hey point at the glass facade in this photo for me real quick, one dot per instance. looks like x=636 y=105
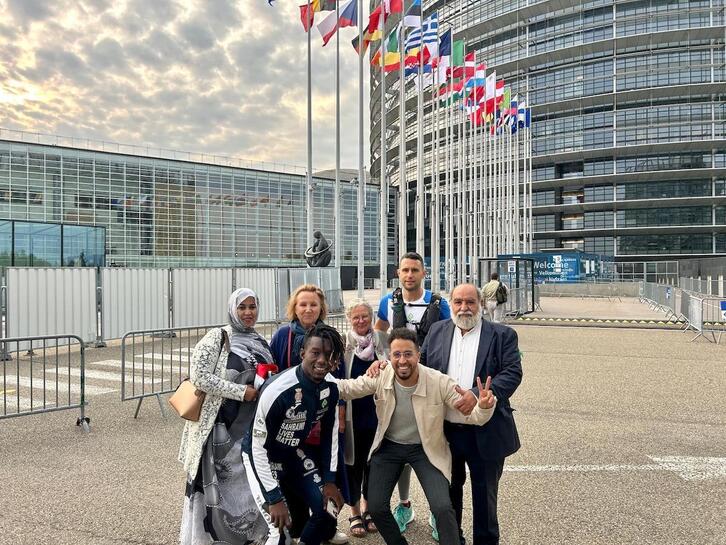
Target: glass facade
x=34 y=244
x=166 y=213
x=640 y=118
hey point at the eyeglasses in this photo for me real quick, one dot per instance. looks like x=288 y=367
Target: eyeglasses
x=403 y=355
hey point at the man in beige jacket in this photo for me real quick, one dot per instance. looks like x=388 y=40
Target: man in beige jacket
x=411 y=403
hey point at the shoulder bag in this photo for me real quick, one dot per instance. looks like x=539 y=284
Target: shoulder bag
x=187 y=400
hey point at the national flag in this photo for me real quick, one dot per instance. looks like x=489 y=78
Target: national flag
x=393 y=6
x=499 y=94
x=479 y=77
x=308 y=11
x=426 y=34
x=412 y=17
x=468 y=68
x=374 y=31
x=355 y=41
x=392 y=58
x=443 y=61
x=521 y=109
x=490 y=93
x=348 y=17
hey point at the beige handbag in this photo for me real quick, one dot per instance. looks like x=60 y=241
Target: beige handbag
x=187 y=400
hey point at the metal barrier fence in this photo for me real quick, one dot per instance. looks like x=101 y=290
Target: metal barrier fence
x=715 y=286
x=155 y=361
x=98 y=305
x=698 y=313
x=46 y=374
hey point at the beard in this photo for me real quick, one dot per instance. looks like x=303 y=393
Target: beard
x=465 y=321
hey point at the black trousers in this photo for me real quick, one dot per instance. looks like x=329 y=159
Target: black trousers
x=386 y=466
x=485 y=475
x=358 y=472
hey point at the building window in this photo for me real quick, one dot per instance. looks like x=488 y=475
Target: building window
x=599 y=193
x=600 y=245
x=645 y=217
x=698 y=243
x=599 y=220
x=543 y=223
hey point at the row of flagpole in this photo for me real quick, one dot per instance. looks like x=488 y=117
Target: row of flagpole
x=481 y=189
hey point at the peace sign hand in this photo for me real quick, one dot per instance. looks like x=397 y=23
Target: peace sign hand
x=486 y=397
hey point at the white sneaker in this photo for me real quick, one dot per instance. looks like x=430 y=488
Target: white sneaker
x=339 y=538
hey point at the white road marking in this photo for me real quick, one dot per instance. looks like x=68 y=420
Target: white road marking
x=37 y=383
x=688 y=468
x=12 y=405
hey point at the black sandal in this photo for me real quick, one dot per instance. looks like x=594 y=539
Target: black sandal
x=370 y=525
x=359 y=525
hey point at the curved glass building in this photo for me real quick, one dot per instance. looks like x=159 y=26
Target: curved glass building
x=628 y=118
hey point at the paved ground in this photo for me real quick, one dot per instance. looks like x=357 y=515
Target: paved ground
x=623 y=432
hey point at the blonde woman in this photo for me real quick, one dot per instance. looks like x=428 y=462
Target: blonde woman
x=305 y=308
x=363 y=346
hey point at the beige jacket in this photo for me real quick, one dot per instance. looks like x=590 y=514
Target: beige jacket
x=433 y=395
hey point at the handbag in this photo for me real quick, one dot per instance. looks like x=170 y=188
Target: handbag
x=187 y=400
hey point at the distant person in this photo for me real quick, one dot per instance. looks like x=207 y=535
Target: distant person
x=470 y=349
x=218 y=505
x=415 y=308
x=411 y=403
x=363 y=346
x=495 y=293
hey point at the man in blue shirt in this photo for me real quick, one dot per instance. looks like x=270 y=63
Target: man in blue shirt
x=290 y=404
x=416 y=308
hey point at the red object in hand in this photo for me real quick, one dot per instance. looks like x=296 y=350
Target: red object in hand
x=264 y=370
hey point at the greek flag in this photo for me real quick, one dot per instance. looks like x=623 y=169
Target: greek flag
x=427 y=34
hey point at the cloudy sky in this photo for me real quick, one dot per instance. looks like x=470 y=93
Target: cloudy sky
x=216 y=76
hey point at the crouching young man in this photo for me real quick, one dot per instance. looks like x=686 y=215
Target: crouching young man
x=275 y=459
x=411 y=403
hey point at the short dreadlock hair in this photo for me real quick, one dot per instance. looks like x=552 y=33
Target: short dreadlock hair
x=330 y=334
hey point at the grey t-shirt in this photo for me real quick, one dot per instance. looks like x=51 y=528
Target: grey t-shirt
x=403 y=428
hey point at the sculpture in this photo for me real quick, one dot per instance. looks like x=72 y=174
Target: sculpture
x=319 y=255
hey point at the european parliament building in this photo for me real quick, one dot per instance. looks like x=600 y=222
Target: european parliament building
x=628 y=118
x=66 y=202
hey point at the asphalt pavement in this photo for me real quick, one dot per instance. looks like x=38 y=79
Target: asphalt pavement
x=623 y=441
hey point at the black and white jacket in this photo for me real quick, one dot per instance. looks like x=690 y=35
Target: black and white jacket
x=289 y=406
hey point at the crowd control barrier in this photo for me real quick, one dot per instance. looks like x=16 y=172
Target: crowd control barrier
x=698 y=313
x=101 y=304
x=45 y=374
x=155 y=361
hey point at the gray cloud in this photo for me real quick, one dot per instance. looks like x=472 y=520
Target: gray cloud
x=208 y=76
x=28 y=11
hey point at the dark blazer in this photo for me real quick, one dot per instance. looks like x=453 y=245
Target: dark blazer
x=497 y=357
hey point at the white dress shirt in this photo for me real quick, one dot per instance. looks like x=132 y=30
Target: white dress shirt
x=462 y=364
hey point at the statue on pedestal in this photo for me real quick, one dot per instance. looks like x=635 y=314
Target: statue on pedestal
x=319 y=254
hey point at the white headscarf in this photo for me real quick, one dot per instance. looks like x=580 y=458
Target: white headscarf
x=245 y=341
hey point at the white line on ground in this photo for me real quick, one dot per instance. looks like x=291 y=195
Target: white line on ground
x=37 y=383
x=688 y=468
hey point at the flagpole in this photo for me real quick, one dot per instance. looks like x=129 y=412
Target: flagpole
x=336 y=197
x=402 y=185
x=309 y=178
x=420 y=195
x=361 y=166
x=475 y=201
x=460 y=188
x=449 y=176
x=383 y=163
x=435 y=246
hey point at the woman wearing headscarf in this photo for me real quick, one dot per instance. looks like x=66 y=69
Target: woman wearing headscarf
x=363 y=346
x=218 y=504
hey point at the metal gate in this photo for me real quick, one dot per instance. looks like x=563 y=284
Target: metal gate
x=518 y=275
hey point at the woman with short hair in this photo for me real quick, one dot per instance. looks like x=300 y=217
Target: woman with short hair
x=363 y=346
